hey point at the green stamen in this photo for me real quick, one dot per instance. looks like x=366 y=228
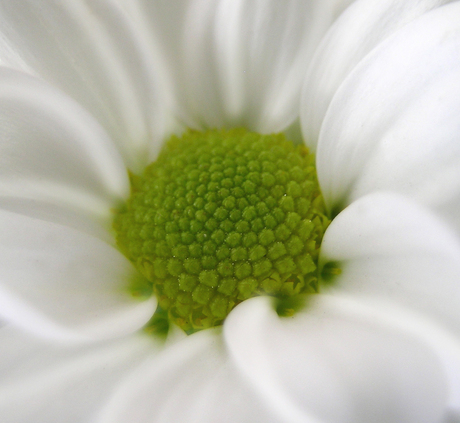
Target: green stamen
x=220 y=217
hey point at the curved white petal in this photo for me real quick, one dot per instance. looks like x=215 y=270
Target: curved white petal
x=62 y=283
x=52 y=383
x=394 y=250
x=52 y=150
x=191 y=382
x=394 y=123
x=92 y=52
x=238 y=62
x=330 y=364
x=61 y=215
x=358 y=30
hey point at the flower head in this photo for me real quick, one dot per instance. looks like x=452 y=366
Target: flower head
x=89 y=95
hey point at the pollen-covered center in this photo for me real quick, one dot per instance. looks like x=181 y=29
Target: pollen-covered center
x=220 y=217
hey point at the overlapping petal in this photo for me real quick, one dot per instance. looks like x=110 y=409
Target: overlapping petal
x=237 y=62
x=394 y=122
x=61 y=177
x=358 y=30
x=331 y=363
x=53 y=383
x=62 y=283
x=392 y=249
x=395 y=255
x=52 y=150
x=91 y=51
x=193 y=381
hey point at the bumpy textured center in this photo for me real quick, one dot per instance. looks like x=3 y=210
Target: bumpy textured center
x=220 y=217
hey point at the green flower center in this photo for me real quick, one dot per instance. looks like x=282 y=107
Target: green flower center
x=220 y=217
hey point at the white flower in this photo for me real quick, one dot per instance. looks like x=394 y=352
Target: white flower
x=380 y=105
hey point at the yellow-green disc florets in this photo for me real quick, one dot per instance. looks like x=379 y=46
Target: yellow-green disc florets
x=223 y=216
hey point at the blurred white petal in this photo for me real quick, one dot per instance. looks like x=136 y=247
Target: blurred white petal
x=53 y=150
x=61 y=283
x=329 y=364
x=239 y=63
x=392 y=249
x=91 y=51
x=53 y=383
x=193 y=381
x=358 y=30
x=394 y=122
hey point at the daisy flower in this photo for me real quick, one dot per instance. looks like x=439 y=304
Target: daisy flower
x=91 y=92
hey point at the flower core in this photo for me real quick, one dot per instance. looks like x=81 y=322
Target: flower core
x=223 y=216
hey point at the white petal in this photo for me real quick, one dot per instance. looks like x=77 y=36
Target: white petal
x=327 y=364
x=394 y=250
x=92 y=52
x=358 y=30
x=61 y=283
x=192 y=381
x=240 y=62
x=45 y=383
x=52 y=150
x=61 y=215
x=394 y=123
